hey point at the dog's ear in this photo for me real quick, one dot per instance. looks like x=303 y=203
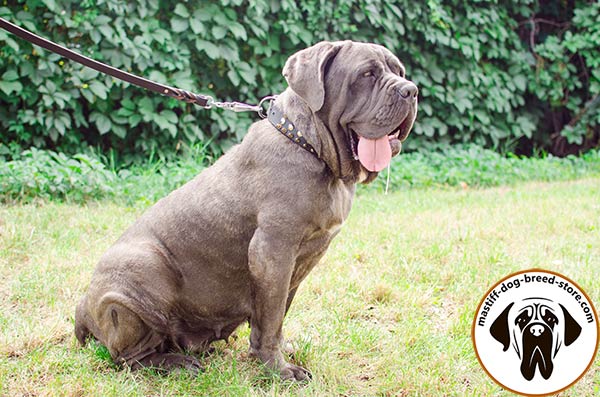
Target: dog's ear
x=499 y=328
x=305 y=72
x=572 y=327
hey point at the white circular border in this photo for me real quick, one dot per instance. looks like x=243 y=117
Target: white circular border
x=497 y=285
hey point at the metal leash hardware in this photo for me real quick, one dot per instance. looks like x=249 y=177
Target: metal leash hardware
x=242 y=107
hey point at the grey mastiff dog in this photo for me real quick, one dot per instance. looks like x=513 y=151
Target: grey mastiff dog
x=233 y=244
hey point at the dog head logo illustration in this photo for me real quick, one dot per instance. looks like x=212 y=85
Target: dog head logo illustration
x=535 y=332
x=537 y=328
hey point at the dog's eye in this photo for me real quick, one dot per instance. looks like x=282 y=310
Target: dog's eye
x=368 y=74
x=550 y=319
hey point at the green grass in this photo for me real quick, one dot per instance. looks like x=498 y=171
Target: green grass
x=387 y=312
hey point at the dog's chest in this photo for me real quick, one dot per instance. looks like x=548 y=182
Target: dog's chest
x=338 y=207
x=331 y=215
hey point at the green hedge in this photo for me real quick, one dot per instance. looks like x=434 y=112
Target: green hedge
x=35 y=174
x=480 y=78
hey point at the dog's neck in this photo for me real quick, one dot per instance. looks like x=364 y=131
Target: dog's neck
x=329 y=142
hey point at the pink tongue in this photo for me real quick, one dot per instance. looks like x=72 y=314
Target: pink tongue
x=374 y=154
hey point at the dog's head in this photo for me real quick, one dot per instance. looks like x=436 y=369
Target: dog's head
x=537 y=329
x=361 y=94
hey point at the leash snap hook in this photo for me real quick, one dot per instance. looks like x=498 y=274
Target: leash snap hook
x=261 y=109
x=243 y=107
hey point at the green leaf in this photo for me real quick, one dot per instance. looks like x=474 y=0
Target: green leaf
x=10 y=86
x=60 y=126
x=520 y=82
x=179 y=25
x=146 y=106
x=164 y=124
x=99 y=89
x=247 y=73
x=157 y=76
x=207 y=13
x=88 y=74
x=51 y=4
x=102 y=20
x=233 y=77
x=209 y=48
x=238 y=31
x=181 y=11
x=128 y=104
x=10 y=75
x=119 y=131
x=161 y=35
x=87 y=94
x=134 y=119
x=169 y=115
x=482 y=116
x=197 y=26
x=107 y=31
x=306 y=37
x=218 y=32
x=102 y=122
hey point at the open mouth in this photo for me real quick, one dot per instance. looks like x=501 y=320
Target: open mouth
x=376 y=154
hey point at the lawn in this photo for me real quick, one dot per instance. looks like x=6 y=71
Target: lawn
x=387 y=312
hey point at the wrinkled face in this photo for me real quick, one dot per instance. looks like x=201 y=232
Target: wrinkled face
x=379 y=99
x=379 y=103
x=534 y=324
x=360 y=92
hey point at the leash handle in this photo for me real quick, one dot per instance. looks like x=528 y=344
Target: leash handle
x=179 y=94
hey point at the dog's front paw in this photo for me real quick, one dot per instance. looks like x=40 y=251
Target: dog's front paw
x=295 y=373
x=274 y=361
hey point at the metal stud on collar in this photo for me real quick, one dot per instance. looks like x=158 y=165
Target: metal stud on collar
x=287 y=128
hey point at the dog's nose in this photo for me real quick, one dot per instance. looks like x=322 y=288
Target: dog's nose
x=409 y=90
x=536 y=330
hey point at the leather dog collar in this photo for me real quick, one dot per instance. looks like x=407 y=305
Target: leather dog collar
x=287 y=128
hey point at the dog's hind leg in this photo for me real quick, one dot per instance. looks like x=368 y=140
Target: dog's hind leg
x=132 y=342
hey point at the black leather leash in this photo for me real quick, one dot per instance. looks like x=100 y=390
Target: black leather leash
x=275 y=116
x=182 y=95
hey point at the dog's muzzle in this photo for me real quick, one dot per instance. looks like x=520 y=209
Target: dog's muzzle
x=537 y=350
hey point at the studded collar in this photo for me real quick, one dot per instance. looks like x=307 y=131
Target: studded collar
x=287 y=128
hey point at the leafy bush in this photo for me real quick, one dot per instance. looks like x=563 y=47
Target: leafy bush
x=52 y=176
x=568 y=73
x=49 y=175
x=473 y=166
x=492 y=73
x=146 y=183
x=45 y=174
